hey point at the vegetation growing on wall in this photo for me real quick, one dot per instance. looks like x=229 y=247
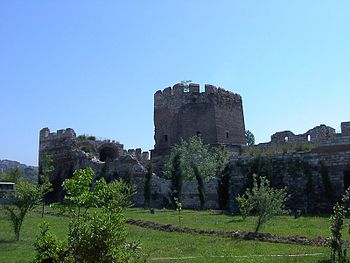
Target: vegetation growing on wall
x=259 y=165
x=279 y=149
x=222 y=172
x=327 y=184
x=86 y=137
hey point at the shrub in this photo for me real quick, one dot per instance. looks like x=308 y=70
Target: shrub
x=48 y=247
x=98 y=236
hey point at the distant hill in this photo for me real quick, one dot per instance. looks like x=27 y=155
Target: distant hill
x=30 y=172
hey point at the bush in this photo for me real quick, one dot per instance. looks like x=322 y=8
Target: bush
x=98 y=236
x=48 y=247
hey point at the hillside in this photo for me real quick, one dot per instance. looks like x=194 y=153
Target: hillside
x=30 y=172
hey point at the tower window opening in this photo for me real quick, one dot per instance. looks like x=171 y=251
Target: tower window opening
x=186 y=89
x=309 y=138
x=165 y=138
x=227 y=135
x=286 y=139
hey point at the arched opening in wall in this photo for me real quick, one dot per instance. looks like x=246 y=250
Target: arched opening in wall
x=346 y=179
x=186 y=89
x=309 y=138
x=286 y=139
x=227 y=135
x=165 y=138
x=108 y=154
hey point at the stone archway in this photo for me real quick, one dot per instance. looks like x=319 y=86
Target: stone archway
x=108 y=152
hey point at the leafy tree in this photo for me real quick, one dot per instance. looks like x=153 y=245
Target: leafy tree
x=263 y=200
x=26 y=197
x=148 y=184
x=250 y=138
x=196 y=162
x=93 y=236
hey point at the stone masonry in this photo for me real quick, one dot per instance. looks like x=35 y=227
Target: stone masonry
x=183 y=111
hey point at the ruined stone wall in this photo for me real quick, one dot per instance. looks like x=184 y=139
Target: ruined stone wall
x=317 y=134
x=321 y=137
x=109 y=160
x=296 y=171
x=106 y=157
x=58 y=145
x=183 y=111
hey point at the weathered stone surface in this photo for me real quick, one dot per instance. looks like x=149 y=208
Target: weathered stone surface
x=182 y=112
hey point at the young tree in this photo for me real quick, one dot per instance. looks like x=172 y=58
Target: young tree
x=26 y=197
x=250 y=138
x=262 y=199
x=147 y=191
x=340 y=212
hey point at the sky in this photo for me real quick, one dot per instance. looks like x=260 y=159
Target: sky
x=94 y=66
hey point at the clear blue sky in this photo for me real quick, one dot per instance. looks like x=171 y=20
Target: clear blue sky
x=95 y=65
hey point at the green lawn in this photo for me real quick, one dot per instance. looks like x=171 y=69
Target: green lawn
x=162 y=246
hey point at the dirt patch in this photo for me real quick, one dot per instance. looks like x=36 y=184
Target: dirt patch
x=243 y=235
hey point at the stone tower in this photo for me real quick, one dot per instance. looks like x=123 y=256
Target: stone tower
x=216 y=115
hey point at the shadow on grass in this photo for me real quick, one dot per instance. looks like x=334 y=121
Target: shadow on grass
x=235 y=220
x=2 y=241
x=324 y=261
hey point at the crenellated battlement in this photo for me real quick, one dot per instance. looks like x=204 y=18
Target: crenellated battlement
x=182 y=94
x=46 y=134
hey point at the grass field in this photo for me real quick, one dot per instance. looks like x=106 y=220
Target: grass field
x=177 y=247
